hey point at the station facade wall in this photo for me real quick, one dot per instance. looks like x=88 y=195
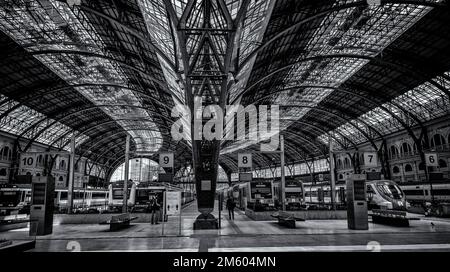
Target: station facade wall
x=33 y=164
x=404 y=160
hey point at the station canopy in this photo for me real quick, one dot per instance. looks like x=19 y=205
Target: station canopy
x=343 y=71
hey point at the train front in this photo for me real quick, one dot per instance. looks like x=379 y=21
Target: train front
x=387 y=194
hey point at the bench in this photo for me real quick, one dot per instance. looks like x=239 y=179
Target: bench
x=118 y=222
x=390 y=217
x=286 y=219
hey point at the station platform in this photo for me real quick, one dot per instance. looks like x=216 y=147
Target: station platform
x=243 y=234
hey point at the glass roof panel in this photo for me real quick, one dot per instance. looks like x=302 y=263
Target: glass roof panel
x=22 y=118
x=426 y=102
x=52 y=25
x=357 y=31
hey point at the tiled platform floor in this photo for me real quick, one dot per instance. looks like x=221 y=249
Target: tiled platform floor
x=243 y=234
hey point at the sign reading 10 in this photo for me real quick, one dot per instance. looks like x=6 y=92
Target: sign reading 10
x=28 y=161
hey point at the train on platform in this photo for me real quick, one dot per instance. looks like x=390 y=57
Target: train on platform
x=16 y=199
x=380 y=194
x=139 y=195
x=418 y=193
x=265 y=194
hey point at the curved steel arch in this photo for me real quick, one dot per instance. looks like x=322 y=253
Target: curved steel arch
x=100 y=56
x=324 y=132
x=400 y=120
x=348 y=91
x=325 y=12
x=100 y=125
x=77 y=111
x=119 y=132
x=131 y=31
x=350 y=56
x=349 y=121
x=56 y=90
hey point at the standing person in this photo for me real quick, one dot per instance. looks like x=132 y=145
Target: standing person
x=154 y=208
x=230 y=207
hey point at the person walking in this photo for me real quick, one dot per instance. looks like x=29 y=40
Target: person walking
x=230 y=206
x=154 y=206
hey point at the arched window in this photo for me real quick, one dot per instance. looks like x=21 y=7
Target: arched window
x=415 y=148
x=60 y=178
x=393 y=151
x=77 y=166
x=341 y=176
x=347 y=163
x=408 y=168
x=339 y=163
x=442 y=163
x=38 y=174
x=437 y=140
x=422 y=166
x=62 y=165
x=6 y=153
x=40 y=160
x=395 y=170
x=28 y=174
x=406 y=149
x=3 y=172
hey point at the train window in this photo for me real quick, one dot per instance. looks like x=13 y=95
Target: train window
x=413 y=192
x=441 y=191
x=98 y=195
x=390 y=190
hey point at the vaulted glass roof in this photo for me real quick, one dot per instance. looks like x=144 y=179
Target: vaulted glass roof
x=106 y=69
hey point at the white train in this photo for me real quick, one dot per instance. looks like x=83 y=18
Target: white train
x=265 y=194
x=139 y=195
x=17 y=199
x=380 y=194
x=421 y=192
x=294 y=194
x=256 y=195
x=115 y=197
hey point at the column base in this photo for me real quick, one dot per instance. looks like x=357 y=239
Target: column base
x=206 y=222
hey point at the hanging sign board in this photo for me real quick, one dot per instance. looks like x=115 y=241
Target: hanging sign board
x=166 y=160
x=431 y=159
x=370 y=159
x=245 y=160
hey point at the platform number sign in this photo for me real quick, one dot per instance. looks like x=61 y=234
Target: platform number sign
x=166 y=160
x=27 y=160
x=431 y=159
x=370 y=159
x=244 y=160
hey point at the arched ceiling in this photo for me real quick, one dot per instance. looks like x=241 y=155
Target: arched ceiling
x=108 y=68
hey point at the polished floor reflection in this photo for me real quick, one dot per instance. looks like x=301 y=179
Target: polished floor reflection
x=244 y=234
